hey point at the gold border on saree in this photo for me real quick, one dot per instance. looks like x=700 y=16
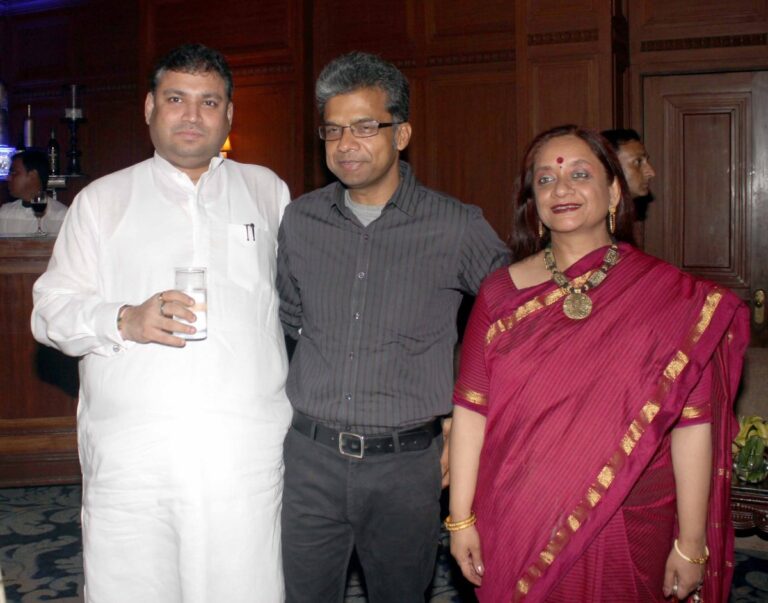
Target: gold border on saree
x=628 y=442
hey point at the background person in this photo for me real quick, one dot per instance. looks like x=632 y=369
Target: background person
x=371 y=272
x=592 y=431
x=636 y=165
x=27 y=177
x=180 y=442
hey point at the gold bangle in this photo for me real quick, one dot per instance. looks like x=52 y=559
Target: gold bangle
x=698 y=561
x=455 y=526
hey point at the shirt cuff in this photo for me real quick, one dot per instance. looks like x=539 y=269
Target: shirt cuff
x=107 y=321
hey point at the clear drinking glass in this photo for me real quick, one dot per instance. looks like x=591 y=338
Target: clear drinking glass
x=192 y=282
x=39 y=205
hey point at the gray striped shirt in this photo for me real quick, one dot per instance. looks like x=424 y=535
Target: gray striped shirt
x=374 y=308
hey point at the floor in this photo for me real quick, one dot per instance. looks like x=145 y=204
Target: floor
x=41 y=555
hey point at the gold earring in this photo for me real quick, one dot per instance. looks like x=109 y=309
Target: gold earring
x=541 y=230
x=612 y=220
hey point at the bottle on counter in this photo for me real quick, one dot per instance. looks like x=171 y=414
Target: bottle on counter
x=52 y=150
x=29 y=129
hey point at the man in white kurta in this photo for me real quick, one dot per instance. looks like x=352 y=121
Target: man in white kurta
x=180 y=442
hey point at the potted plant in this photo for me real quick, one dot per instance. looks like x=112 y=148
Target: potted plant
x=750 y=450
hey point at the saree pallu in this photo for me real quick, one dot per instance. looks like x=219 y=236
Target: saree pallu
x=575 y=470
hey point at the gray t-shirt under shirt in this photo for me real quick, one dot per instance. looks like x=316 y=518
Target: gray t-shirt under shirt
x=365 y=213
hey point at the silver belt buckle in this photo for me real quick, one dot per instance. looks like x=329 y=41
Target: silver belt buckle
x=343 y=436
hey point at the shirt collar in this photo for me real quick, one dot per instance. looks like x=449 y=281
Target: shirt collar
x=403 y=198
x=165 y=166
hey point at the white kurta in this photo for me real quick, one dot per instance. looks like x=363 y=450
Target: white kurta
x=17 y=219
x=181 y=449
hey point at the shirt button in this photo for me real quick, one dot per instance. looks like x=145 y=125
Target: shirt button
x=357 y=315
x=347 y=397
x=116 y=348
x=361 y=275
x=351 y=355
x=366 y=236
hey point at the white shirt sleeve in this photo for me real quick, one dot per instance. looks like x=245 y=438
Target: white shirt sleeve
x=69 y=314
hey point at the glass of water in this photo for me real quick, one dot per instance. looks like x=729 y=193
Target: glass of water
x=192 y=282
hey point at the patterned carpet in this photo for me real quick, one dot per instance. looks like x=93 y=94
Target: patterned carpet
x=41 y=556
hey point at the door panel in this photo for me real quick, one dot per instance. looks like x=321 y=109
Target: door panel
x=707 y=135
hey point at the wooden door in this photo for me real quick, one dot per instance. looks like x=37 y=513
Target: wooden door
x=707 y=135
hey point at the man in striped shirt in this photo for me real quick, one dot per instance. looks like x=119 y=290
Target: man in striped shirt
x=371 y=272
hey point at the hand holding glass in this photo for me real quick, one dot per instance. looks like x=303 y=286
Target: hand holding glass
x=191 y=281
x=39 y=205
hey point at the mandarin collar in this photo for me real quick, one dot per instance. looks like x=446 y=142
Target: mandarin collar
x=166 y=167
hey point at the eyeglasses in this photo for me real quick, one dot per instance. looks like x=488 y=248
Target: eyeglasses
x=361 y=129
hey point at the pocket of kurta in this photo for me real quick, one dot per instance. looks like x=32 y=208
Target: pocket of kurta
x=252 y=256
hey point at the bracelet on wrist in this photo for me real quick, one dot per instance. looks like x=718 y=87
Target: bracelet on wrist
x=120 y=313
x=697 y=561
x=455 y=526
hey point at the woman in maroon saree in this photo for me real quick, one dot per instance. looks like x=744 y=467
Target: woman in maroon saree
x=591 y=438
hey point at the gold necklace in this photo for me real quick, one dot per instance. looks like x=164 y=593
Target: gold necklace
x=577 y=304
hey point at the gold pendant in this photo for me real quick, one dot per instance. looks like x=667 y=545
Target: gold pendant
x=577 y=306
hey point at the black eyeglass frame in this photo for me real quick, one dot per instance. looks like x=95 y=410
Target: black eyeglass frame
x=352 y=128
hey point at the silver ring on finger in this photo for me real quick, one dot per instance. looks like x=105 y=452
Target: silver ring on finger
x=674 y=589
x=695 y=597
x=162 y=308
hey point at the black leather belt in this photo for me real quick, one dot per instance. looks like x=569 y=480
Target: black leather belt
x=357 y=445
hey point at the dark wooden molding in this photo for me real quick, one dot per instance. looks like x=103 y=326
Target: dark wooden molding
x=563 y=37
x=706 y=42
x=472 y=58
x=271 y=69
x=404 y=63
x=47 y=90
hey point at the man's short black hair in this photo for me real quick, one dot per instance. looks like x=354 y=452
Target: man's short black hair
x=193 y=58
x=34 y=160
x=620 y=136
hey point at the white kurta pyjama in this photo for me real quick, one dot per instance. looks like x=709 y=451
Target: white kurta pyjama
x=181 y=449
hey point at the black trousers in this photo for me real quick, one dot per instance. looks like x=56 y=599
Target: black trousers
x=386 y=507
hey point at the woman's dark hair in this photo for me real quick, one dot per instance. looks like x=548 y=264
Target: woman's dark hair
x=525 y=240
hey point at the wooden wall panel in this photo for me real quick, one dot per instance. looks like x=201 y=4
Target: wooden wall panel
x=265 y=130
x=701 y=138
x=246 y=32
x=38 y=397
x=469 y=139
x=706 y=139
x=552 y=16
x=40 y=47
x=710 y=14
x=567 y=65
x=560 y=93
x=686 y=36
x=386 y=27
x=455 y=27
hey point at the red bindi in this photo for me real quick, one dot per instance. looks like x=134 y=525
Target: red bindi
x=559 y=159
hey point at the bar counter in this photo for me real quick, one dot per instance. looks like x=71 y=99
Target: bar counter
x=38 y=385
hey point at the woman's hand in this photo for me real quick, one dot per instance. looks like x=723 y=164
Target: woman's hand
x=465 y=547
x=686 y=575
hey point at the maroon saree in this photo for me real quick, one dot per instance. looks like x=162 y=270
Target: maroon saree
x=575 y=494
